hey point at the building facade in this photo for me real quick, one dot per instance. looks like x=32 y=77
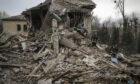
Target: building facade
x=15 y=25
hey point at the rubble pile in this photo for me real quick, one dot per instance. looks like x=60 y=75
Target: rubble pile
x=57 y=52
x=37 y=61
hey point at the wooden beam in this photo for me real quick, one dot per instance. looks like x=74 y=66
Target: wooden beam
x=11 y=65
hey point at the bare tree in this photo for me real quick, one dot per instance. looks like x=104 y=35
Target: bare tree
x=135 y=21
x=119 y=23
x=120 y=4
x=108 y=22
x=95 y=22
x=3 y=14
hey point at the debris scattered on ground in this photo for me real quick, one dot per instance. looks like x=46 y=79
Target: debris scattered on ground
x=38 y=63
x=63 y=55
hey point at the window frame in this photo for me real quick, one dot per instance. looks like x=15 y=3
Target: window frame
x=18 y=27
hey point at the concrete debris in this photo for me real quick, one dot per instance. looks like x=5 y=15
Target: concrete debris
x=41 y=62
x=49 y=81
x=67 y=43
x=16 y=70
x=23 y=45
x=3 y=58
x=56 y=53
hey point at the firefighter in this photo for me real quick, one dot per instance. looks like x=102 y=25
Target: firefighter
x=94 y=40
x=114 y=50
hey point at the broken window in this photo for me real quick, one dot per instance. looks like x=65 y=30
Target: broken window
x=18 y=27
x=25 y=28
x=76 y=18
x=36 y=20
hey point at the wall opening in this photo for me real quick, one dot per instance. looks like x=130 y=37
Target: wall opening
x=76 y=18
x=18 y=27
x=25 y=28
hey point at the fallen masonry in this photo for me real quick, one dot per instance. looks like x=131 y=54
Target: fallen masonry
x=55 y=52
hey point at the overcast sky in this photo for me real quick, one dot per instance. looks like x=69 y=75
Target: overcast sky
x=15 y=7
x=104 y=9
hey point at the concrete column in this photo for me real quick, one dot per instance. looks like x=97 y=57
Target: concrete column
x=55 y=37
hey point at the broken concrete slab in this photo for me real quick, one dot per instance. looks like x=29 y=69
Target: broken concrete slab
x=70 y=50
x=16 y=70
x=49 y=81
x=67 y=43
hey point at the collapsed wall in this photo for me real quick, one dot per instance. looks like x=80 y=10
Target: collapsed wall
x=75 y=60
x=59 y=53
x=71 y=12
x=54 y=17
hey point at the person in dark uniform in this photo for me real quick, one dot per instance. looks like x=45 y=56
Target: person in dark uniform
x=94 y=40
x=114 y=50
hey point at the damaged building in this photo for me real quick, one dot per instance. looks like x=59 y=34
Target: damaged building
x=68 y=13
x=59 y=19
x=59 y=50
x=12 y=26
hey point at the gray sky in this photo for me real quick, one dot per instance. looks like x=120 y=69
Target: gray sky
x=104 y=9
x=15 y=7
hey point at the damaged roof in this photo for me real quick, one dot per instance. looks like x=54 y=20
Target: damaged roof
x=45 y=3
x=68 y=5
x=73 y=5
x=41 y=5
x=15 y=18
